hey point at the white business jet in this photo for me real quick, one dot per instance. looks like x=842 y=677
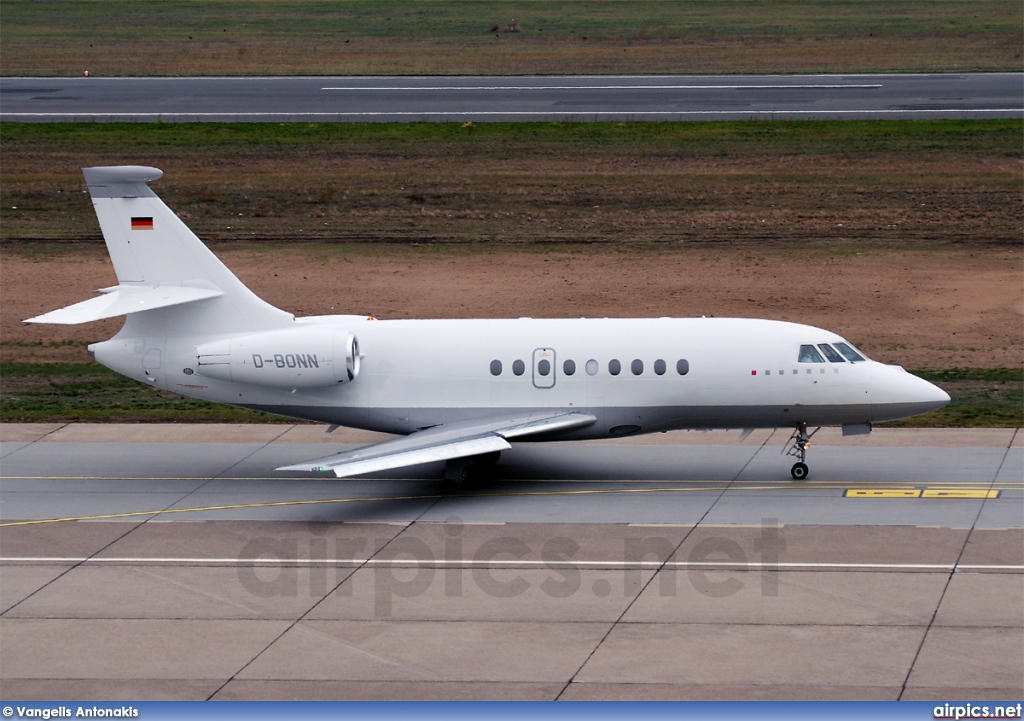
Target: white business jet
x=460 y=390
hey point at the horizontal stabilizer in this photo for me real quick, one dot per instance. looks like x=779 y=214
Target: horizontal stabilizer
x=122 y=300
x=444 y=442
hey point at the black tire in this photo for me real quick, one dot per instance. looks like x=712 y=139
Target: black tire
x=799 y=471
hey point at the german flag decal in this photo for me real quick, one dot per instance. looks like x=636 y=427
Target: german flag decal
x=142 y=224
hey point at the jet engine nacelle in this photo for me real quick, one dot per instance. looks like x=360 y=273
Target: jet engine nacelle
x=293 y=358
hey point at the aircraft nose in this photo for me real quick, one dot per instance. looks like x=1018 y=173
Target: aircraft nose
x=927 y=395
x=895 y=393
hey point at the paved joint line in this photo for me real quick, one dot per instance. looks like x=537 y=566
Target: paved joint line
x=959 y=558
x=62 y=426
x=662 y=565
x=72 y=568
x=129 y=531
x=207 y=481
x=326 y=595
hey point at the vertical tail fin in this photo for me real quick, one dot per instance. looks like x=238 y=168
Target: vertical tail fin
x=160 y=263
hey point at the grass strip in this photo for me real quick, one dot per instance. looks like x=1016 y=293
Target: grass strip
x=63 y=392
x=509 y=140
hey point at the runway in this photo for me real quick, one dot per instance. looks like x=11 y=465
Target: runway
x=143 y=562
x=505 y=98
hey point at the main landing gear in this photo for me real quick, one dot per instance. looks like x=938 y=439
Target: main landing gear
x=799 y=442
x=464 y=470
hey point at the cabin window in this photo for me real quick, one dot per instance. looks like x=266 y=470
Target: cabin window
x=851 y=354
x=637 y=366
x=569 y=367
x=659 y=367
x=591 y=367
x=830 y=353
x=518 y=367
x=495 y=367
x=544 y=367
x=810 y=354
x=682 y=366
x=614 y=367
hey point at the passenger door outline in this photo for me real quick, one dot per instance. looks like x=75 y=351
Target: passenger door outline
x=541 y=356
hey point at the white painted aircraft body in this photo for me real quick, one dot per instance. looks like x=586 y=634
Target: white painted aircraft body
x=459 y=390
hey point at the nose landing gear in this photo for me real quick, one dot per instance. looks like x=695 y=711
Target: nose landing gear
x=797 y=447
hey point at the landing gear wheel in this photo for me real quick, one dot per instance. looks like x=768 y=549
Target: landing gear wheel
x=471 y=468
x=458 y=471
x=799 y=442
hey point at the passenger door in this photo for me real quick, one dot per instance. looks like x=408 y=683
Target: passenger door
x=544 y=368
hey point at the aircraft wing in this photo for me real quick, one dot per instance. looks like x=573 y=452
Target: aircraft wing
x=444 y=442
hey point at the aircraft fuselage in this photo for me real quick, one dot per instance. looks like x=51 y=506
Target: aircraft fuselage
x=633 y=375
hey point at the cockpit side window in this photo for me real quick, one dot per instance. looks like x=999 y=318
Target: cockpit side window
x=810 y=354
x=830 y=353
x=851 y=354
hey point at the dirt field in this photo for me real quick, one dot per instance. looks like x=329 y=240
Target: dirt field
x=904 y=237
x=433 y=37
x=938 y=307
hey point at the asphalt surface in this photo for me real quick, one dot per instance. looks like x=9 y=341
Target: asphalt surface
x=461 y=99
x=82 y=470
x=143 y=562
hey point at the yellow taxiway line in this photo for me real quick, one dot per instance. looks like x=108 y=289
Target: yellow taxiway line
x=931 y=492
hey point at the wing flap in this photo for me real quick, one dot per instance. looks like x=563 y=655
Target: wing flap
x=443 y=442
x=124 y=299
x=549 y=424
x=343 y=464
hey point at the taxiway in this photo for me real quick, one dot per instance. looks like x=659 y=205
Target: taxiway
x=169 y=562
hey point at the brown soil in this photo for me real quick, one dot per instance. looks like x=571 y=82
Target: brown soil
x=525 y=55
x=937 y=307
x=460 y=194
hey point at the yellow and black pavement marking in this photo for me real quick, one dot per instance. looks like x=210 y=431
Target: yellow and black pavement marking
x=959 y=493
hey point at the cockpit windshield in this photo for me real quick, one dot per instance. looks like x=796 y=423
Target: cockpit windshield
x=830 y=353
x=849 y=352
x=810 y=354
